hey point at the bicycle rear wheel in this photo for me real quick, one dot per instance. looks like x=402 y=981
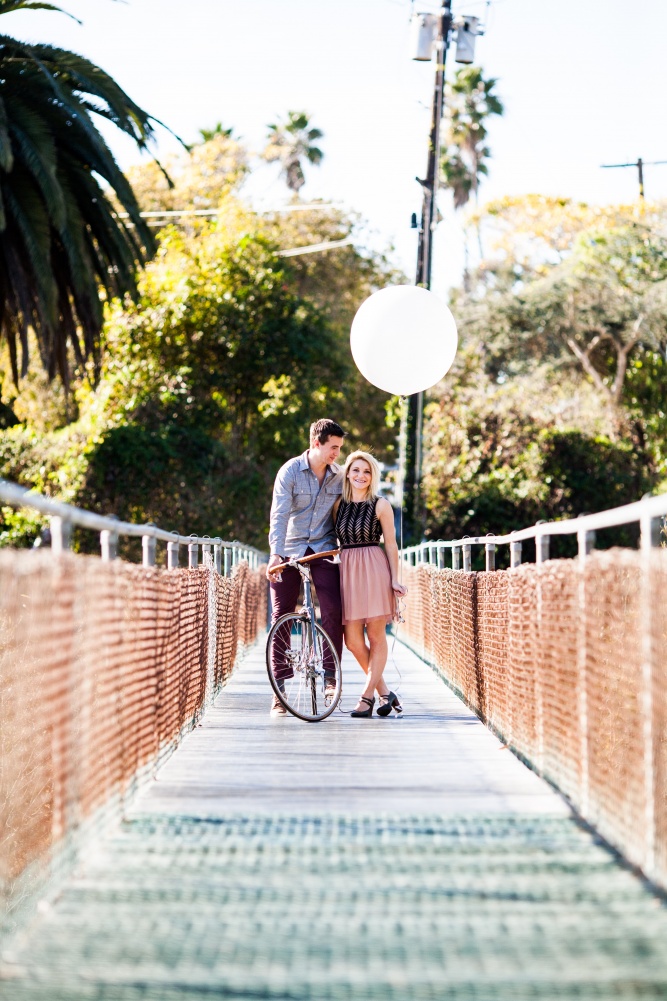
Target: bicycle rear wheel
x=304 y=670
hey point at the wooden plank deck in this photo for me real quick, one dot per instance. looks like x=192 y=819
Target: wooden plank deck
x=405 y=859
x=437 y=758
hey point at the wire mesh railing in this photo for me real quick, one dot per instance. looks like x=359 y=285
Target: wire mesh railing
x=104 y=665
x=649 y=513
x=216 y=552
x=566 y=660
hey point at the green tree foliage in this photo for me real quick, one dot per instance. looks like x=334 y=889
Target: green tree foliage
x=218 y=130
x=209 y=381
x=216 y=319
x=556 y=405
x=60 y=240
x=503 y=456
x=337 y=282
x=200 y=177
x=291 y=143
x=603 y=299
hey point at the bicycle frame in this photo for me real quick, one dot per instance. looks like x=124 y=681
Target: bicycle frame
x=308 y=600
x=317 y=654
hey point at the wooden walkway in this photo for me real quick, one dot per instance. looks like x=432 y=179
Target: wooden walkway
x=437 y=758
x=408 y=859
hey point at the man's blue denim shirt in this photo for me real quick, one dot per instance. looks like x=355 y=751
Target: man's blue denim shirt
x=301 y=512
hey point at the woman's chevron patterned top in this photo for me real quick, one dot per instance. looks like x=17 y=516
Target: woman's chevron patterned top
x=357 y=523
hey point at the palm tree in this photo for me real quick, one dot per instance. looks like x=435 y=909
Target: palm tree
x=291 y=143
x=63 y=248
x=206 y=135
x=471 y=102
x=464 y=154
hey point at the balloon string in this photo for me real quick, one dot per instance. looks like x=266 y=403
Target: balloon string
x=402 y=449
x=400 y=601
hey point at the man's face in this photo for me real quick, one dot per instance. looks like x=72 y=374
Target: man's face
x=329 y=450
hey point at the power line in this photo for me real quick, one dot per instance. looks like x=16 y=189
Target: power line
x=210 y=213
x=639 y=164
x=316 y=248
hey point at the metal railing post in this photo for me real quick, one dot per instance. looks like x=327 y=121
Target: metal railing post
x=515 y=554
x=582 y=693
x=456 y=557
x=207 y=554
x=193 y=555
x=441 y=557
x=148 y=547
x=541 y=548
x=467 y=557
x=649 y=538
x=228 y=561
x=108 y=545
x=490 y=550
x=585 y=543
x=172 y=555
x=61 y=534
x=217 y=555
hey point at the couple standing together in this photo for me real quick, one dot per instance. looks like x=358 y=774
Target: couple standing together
x=315 y=503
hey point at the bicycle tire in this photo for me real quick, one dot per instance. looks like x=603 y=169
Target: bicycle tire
x=302 y=692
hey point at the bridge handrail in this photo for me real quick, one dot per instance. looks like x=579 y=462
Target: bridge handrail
x=645 y=511
x=110 y=528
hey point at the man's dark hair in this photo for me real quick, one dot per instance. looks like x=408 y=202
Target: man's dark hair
x=324 y=429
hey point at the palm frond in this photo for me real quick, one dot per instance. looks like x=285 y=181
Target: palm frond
x=8 y=6
x=6 y=155
x=61 y=238
x=291 y=143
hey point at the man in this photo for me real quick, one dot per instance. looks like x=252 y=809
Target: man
x=304 y=494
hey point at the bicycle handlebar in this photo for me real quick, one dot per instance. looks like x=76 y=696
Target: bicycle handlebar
x=303 y=559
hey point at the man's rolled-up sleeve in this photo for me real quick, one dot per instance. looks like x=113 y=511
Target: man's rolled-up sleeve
x=280 y=510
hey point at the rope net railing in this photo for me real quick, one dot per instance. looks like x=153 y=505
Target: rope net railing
x=103 y=667
x=567 y=661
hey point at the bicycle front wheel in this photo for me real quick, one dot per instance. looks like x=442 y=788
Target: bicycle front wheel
x=304 y=669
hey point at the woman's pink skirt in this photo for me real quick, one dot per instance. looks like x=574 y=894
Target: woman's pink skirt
x=365 y=585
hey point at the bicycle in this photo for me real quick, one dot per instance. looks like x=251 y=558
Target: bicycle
x=301 y=660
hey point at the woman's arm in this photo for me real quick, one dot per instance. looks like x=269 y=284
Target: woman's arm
x=385 y=515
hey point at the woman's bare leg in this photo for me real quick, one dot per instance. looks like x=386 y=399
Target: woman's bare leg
x=355 y=641
x=371 y=657
x=377 y=661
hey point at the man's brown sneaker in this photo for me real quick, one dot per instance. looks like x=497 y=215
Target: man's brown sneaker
x=277 y=708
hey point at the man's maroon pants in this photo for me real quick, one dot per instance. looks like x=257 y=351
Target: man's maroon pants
x=326 y=578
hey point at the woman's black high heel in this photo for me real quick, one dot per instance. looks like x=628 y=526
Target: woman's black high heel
x=364 y=713
x=389 y=702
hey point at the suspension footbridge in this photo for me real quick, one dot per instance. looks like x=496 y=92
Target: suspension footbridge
x=163 y=837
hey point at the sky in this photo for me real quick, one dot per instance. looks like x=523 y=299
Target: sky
x=583 y=83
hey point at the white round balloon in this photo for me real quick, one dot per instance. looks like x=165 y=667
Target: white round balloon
x=403 y=339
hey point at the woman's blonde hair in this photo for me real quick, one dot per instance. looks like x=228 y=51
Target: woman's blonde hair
x=374 y=487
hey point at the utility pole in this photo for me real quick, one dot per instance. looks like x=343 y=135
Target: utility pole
x=412 y=506
x=639 y=164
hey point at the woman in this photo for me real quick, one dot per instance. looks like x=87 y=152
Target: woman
x=368 y=576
